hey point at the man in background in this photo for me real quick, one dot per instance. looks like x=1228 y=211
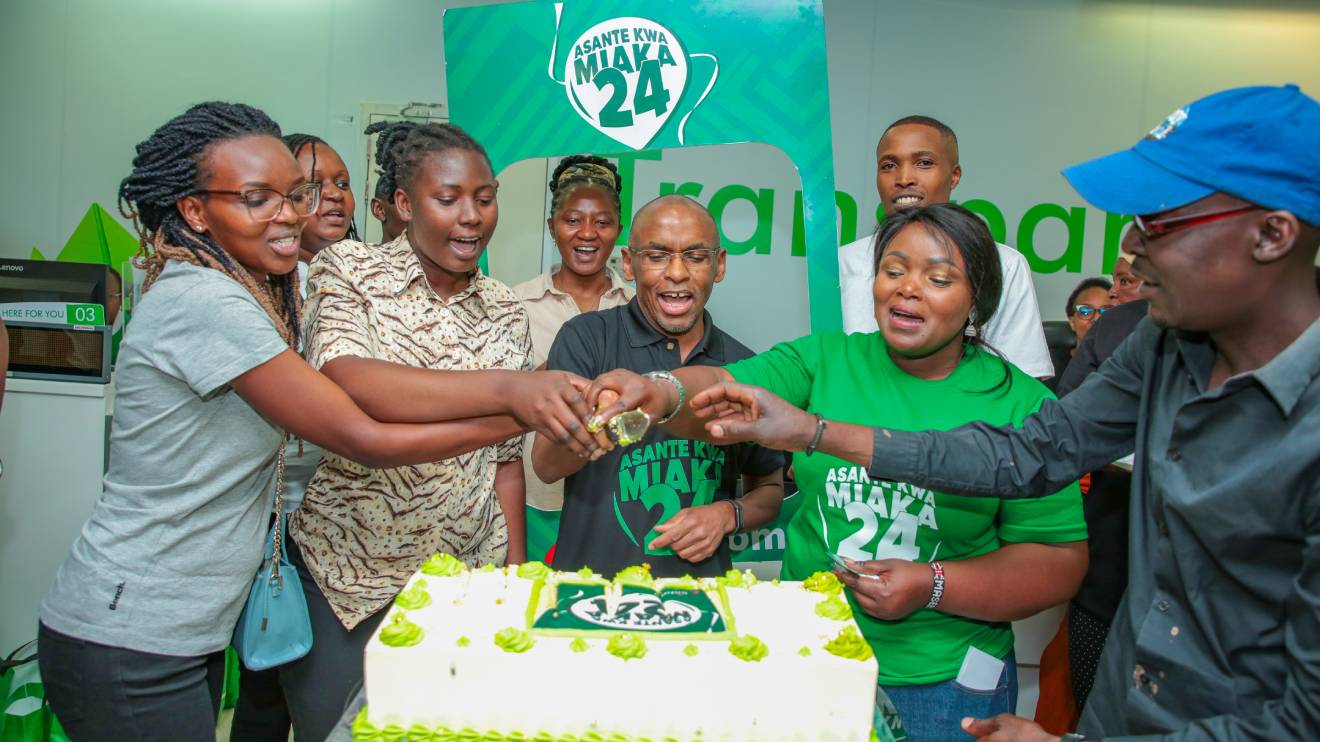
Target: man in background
x=916 y=165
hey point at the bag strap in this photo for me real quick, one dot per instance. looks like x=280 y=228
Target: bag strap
x=277 y=556
x=10 y=662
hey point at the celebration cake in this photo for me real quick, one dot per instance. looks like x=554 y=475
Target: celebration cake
x=526 y=653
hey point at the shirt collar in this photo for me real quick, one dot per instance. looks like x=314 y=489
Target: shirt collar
x=1285 y=378
x=545 y=283
x=642 y=333
x=408 y=270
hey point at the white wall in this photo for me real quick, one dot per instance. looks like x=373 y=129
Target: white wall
x=1030 y=85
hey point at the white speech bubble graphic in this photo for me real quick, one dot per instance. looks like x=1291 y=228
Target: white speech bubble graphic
x=626 y=76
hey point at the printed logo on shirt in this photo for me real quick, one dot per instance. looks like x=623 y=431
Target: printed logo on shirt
x=119 y=590
x=661 y=478
x=890 y=516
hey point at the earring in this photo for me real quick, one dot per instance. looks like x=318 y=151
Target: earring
x=970 y=331
x=197 y=227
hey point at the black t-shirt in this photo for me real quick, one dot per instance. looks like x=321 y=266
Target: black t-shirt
x=612 y=505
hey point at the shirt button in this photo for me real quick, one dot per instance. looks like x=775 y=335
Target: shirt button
x=1175 y=454
x=1162 y=606
x=669 y=346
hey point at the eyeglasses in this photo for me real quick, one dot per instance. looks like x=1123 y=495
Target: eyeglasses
x=695 y=259
x=265 y=204
x=1152 y=229
x=1086 y=311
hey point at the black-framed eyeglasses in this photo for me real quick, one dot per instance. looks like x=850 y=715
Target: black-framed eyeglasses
x=1086 y=311
x=265 y=204
x=1155 y=228
x=694 y=259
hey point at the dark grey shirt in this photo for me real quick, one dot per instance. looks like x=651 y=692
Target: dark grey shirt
x=1218 y=637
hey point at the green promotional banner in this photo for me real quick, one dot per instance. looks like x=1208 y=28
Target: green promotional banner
x=545 y=79
x=541 y=79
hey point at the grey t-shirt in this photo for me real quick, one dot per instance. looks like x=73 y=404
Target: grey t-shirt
x=165 y=561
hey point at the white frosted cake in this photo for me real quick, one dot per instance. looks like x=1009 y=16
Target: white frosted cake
x=530 y=654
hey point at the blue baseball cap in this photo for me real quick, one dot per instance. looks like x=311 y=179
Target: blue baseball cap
x=1260 y=144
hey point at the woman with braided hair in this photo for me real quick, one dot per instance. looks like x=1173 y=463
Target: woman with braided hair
x=584 y=222
x=133 y=631
x=261 y=713
x=389 y=133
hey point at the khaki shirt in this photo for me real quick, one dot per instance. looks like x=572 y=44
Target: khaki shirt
x=363 y=532
x=548 y=309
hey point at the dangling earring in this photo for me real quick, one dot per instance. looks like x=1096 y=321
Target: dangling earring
x=970 y=331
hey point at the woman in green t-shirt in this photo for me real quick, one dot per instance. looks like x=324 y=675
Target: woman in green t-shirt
x=942 y=575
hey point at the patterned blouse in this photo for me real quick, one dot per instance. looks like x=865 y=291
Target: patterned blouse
x=363 y=532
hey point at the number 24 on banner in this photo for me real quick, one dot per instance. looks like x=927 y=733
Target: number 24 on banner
x=625 y=77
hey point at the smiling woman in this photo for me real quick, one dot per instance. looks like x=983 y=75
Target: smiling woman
x=584 y=221
x=946 y=573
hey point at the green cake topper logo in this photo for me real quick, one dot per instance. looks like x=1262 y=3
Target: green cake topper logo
x=626 y=76
x=637 y=612
x=593 y=607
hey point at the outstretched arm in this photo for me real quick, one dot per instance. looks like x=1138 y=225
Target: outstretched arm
x=297 y=399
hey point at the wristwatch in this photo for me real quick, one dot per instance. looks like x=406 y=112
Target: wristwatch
x=737 y=515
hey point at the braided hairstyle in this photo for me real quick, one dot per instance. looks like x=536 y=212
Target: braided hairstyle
x=408 y=153
x=170 y=165
x=579 y=170
x=389 y=134
x=296 y=143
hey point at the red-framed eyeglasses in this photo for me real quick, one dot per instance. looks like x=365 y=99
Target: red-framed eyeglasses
x=1154 y=228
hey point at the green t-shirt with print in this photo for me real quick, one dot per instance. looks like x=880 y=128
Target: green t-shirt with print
x=851 y=378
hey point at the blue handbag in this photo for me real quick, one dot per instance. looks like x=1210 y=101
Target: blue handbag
x=274 y=627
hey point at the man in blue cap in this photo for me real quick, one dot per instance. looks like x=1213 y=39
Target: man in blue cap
x=1218 y=391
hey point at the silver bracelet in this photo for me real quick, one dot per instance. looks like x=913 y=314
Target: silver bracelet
x=678 y=387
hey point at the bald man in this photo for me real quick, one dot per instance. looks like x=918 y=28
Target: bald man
x=667 y=502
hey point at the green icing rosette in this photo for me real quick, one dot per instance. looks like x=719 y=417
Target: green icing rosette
x=627 y=646
x=363 y=730
x=423 y=733
x=443 y=565
x=514 y=640
x=487 y=568
x=826 y=583
x=492 y=736
x=515 y=737
x=400 y=632
x=686 y=582
x=804 y=652
x=569 y=737
x=544 y=737
x=834 y=608
x=690 y=650
x=533 y=570
x=748 y=648
x=734 y=578
x=579 y=645
x=463 y=641
x=414 y=598
x=586 y=573
x=636 y=575
x=849 y=645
